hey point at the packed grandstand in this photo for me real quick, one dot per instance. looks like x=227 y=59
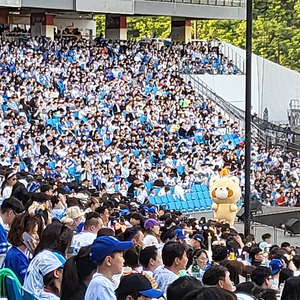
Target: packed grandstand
x=106 y=139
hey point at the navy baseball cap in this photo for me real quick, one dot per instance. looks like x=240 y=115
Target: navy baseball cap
x=105 y=245
x=137 y=283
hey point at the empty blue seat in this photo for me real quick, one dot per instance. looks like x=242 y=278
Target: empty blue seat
x=136 y=153
x=170 y=198
x=178 y=206
x=172 y=206
x=107 y=143
x=13 y=291
x=152 y=200
x=200 y=204
x=164 y=199
x=197 y=206
x=180 y=170
x=27 y=295
x=158 y=200
x=191 y=205
x=204 y=187
x=148 y=185
x=193 y=189
x=184 y=207
x=188 y=196
x=72 y=171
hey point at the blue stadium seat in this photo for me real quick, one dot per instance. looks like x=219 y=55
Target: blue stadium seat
x=72 y=171
x=200 y=205
x=180 y=170
x=170 y=198
x=204 y=187
x=188 y=196
x=52 y=165
x=158 y=200
x=185 y=207
x=152 y=200
x=178 y=206
x=148 y=185
x=191 y=205
x=27 y=295
x=136 y=153
x=197 y=206
x=107 y=143
x=172 y=206
x=164 y=199
x=13 y=291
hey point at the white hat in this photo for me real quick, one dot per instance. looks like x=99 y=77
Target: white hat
x=51 y=262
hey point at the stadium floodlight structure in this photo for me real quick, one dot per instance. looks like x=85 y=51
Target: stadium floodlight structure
x=248 y=137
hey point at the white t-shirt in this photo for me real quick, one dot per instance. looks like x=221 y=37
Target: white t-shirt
x=84 y=238
x=151 y=240
x=47 y=296
x=34 y=280
x=101 y=288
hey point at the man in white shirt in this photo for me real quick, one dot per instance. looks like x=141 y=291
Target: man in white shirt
x=92 y=225
x=174 y=259
x=107 y=252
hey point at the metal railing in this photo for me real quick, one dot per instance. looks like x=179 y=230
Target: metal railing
x=237 y=59
x=231 y=3
x=262 y=131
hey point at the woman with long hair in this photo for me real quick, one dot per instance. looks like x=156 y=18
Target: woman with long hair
x=78 y=273
x=7 y=186
x=24 y=237
x=56 y=237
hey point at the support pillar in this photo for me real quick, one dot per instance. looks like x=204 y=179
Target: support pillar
x=115 y=27
x=42 y=24
x=181 y=30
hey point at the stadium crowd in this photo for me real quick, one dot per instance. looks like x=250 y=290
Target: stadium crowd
x=90 y=134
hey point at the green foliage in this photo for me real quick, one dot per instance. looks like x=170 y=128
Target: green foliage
x=137 y=27
x=276 y=30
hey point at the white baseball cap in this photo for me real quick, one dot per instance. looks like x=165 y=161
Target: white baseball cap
x=51 y=262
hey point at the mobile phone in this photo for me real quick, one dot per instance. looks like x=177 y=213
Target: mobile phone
x=26 y=239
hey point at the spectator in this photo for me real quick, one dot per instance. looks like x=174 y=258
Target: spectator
x=182 y=286
x=174 y=259
x=24 y=237
x=134 y=285
x=78 y=272
x=218 y=276
x=206 y=293
x=256 y=256
x=266 y=241
x=262 y=276
x=107 y=253
x=51 y=269
x=152 y=234
x=9 y=209
x=291 y=289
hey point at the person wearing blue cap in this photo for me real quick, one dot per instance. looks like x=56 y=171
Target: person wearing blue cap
x=51 y=269
x=137 y=287
x=276 y=265
x=107 y=252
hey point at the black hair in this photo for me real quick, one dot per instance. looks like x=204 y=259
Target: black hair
x=76 y=270
x=49 y=282
x=56 y=237
x=172 y=250
x=181 y=286
x=92 y=218
x=146 y=254
x=249 y=288
x=105 y=231
x=285 y=244
x=214 y=274
x=266 y=236
x=291 y=289
x=219 y=253
x=13 y=204
x=205 y=293
x=131 y=257
x=260 y=274
x=296 y=261
x=254 y=251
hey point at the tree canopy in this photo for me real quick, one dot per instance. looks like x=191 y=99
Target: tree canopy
x=276 y=30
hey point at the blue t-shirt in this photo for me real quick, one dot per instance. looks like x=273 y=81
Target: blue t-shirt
x=3 y=241
x=18 y=262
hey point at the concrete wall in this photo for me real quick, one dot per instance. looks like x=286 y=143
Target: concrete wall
x=10 y=3
x=193 y=11
x=273 y=86
x=82 y=25
x=52 y=4
x=106 y=6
